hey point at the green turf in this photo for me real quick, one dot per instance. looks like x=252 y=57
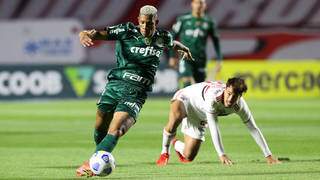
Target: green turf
x=48 y=140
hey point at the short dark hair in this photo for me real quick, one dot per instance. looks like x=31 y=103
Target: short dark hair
x=238 y=84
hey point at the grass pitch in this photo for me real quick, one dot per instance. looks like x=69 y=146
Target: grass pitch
x=50 y=139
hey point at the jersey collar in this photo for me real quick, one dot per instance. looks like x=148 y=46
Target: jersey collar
x=150 y=40
x=220 y=98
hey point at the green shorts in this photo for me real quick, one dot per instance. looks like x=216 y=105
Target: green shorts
x=190 y=69
x=121 y=96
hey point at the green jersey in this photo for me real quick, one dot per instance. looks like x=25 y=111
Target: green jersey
x=193 y=32
x=137 y=56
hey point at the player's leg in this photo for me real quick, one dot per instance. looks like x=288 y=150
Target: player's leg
x=173 y=63
x=130 y=100
x=105 y=111
x=193 y=137
x=114 y=117
x=104 y=115
x=102 y=123
x=176 y=114
x=199 y=75
x=188 y=149
x=185 y=74
x=119 y=125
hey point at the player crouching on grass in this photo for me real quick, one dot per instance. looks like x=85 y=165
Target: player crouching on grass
x=138 y=49
x=199 y=106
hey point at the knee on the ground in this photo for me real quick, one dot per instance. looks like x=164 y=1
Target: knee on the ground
x=190 y=157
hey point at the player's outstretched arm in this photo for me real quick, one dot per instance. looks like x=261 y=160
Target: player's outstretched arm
x=87 y=36
x=246 y=116
x=184 y=50
x=216 y=139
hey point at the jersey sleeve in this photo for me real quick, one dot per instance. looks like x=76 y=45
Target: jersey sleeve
x=213 y=29
x=176 y=28
x=209 y=100
x=209 y=94
x=255 y=132
x=119 y=32
x=243 y=111
x=212 y=120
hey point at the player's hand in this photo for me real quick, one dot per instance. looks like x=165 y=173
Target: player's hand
x=224 y=159
x=186 y=54
x=86 y=37
x=272 y=160
x=173 y=63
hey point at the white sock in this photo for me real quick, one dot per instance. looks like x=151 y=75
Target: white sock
x=166 y=141
x=179 y=146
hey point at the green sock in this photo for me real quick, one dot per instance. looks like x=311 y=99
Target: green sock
x=108 y=143
x=98 y=136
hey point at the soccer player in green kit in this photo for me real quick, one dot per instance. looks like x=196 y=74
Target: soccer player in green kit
x=193 y=29
x=138 y=49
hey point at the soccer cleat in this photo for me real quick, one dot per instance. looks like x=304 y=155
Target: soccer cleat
x=84 y=170
x=163 y=159
x=182 y=159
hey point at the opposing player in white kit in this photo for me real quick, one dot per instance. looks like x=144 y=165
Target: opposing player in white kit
x=199 y=106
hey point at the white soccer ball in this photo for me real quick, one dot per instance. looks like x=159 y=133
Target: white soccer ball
x=102 y=163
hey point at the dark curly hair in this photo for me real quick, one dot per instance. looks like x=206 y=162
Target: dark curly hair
x=238 y=84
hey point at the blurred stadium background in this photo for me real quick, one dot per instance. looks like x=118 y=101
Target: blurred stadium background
x=274 y=44
x=42 y=58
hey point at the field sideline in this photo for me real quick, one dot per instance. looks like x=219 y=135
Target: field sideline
x=49 y=139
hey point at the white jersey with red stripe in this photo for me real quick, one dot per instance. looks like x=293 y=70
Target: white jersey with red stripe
x=206 y=97
x=203 y=103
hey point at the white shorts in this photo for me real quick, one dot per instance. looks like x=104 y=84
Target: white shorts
x=192 y=130
x=192 y=125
